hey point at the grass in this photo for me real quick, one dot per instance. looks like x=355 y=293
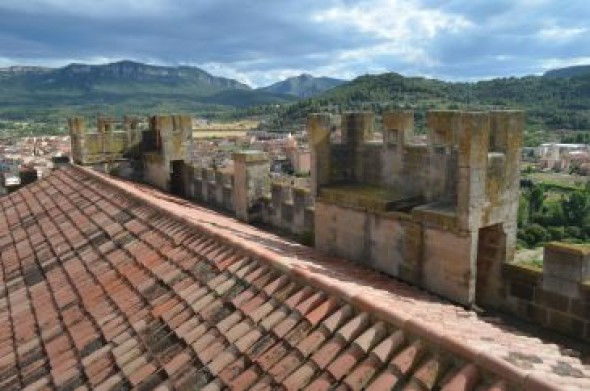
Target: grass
x=559 y=181
x=536 y=263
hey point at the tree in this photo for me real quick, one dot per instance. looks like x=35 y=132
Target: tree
x=535 y=196
x=576 y=208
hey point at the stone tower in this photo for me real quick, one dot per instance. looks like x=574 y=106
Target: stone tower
x=440 y=214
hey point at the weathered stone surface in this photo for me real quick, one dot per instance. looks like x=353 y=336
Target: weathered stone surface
x=565 y=267
x=462 y=180
x=251 y=182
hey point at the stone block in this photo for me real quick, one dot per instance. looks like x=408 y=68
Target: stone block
x=398 y=127
x=319 y=128
x=552 y=300
x=506 y=132
x=580 y=308
x=448 y=264
x=251 y=182
x=443 y=126
x=538 y=314
x=521 y=273
x=357 y=127
x=563 y=286
x=77 y=125
x=565 y=324
x=565 y=267
x=522 y=291
x=567 y=261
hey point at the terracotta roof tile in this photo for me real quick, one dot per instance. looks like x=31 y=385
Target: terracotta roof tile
x=301 y=376
x=342 y=365
x=323 y=382
x=116 y=286
x=388 y=346
x=465 y=379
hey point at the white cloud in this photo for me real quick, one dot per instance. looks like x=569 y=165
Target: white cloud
x=226 y=70
x=561 y=33
x=264 y=78
x=551 y=63
x=394 y=19
x=402 y=26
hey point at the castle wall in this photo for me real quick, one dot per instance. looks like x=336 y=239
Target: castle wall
x=433 y=198
x=211 y=187
x=290 y=209
x=556 y=297
x=391 y=244
x=440 y=215
x=156 y=172
x=449 y=263
x=101 y=145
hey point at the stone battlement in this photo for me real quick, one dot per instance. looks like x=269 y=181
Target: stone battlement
x=556 y=296
x=166 y=137
x=458 y=144
x=402 y=207
x=104 y=144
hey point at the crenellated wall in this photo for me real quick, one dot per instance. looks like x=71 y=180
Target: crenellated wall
x=290 y=209
x=165 y=148
x=249 y=193
x=101 y=145
x=212 y=187
x=439 y=214
x=556 y=297
x=417 y=211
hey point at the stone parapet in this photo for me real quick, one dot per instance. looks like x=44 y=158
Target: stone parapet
x=461 y=180
x=565 y=267
x=526 y=295
x=251 y=183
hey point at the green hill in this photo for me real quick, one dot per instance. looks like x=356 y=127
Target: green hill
x=573 y=71
x=549 y=102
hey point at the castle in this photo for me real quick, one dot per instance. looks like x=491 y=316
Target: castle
x=439 y=214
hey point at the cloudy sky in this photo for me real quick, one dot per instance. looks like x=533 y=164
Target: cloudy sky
x=262 y=41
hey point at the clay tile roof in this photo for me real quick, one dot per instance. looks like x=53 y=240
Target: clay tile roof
x=107 y=285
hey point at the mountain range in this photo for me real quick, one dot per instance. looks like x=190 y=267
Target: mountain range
x=558 y=99
x=131 y=86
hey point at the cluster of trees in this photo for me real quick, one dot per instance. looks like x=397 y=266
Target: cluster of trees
x=541 y=219
x=31 y=128
x=577 y=138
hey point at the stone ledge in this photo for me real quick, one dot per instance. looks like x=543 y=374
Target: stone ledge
x=522 y=272
x=370 y=198
x=570 y=248
x=438 y=215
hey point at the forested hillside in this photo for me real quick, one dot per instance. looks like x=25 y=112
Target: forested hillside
x=551 y=102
